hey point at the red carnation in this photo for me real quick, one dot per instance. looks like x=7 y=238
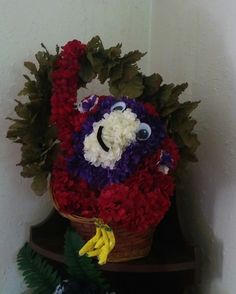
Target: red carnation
x=150 y=109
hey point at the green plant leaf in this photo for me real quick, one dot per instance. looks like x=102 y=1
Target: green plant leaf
x=113 y=52
x=187 y=107
x=22 y=110
x=39 y=184
x=179 y=89
x=30 y=171
x=37 y=274
x=116 y=73
x=42 y=58
x=130 y=71
x=95 y=44
x=132 y=88
x=169 y=109
x=152 y=84
x=133 y=56
x=31 y=67
x=86 y=72
x=164 y=94
x=81 y=267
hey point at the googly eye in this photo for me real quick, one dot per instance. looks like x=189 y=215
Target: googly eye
x=88 y=103
x=118 y=106
x=144 y=132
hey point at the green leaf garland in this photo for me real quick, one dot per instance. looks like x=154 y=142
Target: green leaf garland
x=38 y=137
x=32 y=128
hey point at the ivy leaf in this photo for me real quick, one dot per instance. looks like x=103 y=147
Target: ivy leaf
x=164 y=94
x=170 y=109
x=96 y=61
x=103 y=75
x=182 y=125
x=133 y=56
x=152 y=84
x=86 y=72
x=190 y=140
x=172 y=99
x=113 y=52
x=30 y=171
x=23 y=92
x=187 y=107
x=116 y=72
x=39 y=184
x=22 y=110
x=129 y=72
x=95 y=44
x=17 y=129
x=30 y=154
x=105 y=71
x=179 y=89
x=41 y=58
x=31 y=67
x=132 y=88
x=29 y=89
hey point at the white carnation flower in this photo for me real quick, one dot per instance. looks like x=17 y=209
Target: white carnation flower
x=119 y=131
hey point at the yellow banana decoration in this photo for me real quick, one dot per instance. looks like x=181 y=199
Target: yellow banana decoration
x=102 y=257
x=93 y=253
x=101 y=244
x=90 y=244
x=111 y=237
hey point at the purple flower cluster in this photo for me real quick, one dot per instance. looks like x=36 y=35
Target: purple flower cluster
x=131 y=158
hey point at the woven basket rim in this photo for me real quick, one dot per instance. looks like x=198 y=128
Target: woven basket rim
x=71 y=217
x=122 y=254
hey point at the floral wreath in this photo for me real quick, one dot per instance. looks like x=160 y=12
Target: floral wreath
x=128 y=186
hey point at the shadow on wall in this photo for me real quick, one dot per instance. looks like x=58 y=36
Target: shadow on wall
x=205 y=205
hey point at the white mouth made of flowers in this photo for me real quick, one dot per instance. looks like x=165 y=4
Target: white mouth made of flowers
x=119 y=130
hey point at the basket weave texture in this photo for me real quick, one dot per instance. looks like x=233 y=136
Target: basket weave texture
x=129 y=245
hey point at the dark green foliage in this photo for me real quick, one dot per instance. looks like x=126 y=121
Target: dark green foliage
x=43 y=279
x=122 y=73
x=32 y=128
x=178 y=118
x=38 y=138
x=37 y=273
x=81 y=268
x=179 y=122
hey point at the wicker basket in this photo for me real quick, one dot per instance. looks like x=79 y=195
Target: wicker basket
x=128 y=246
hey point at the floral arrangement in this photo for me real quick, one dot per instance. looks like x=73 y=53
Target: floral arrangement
x=117 y=157
x=126 y=184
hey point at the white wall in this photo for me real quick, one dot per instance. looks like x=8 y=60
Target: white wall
x=195 y=41
x=24 y=25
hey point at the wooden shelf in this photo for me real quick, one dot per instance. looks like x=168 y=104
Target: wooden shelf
x=169 y=253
